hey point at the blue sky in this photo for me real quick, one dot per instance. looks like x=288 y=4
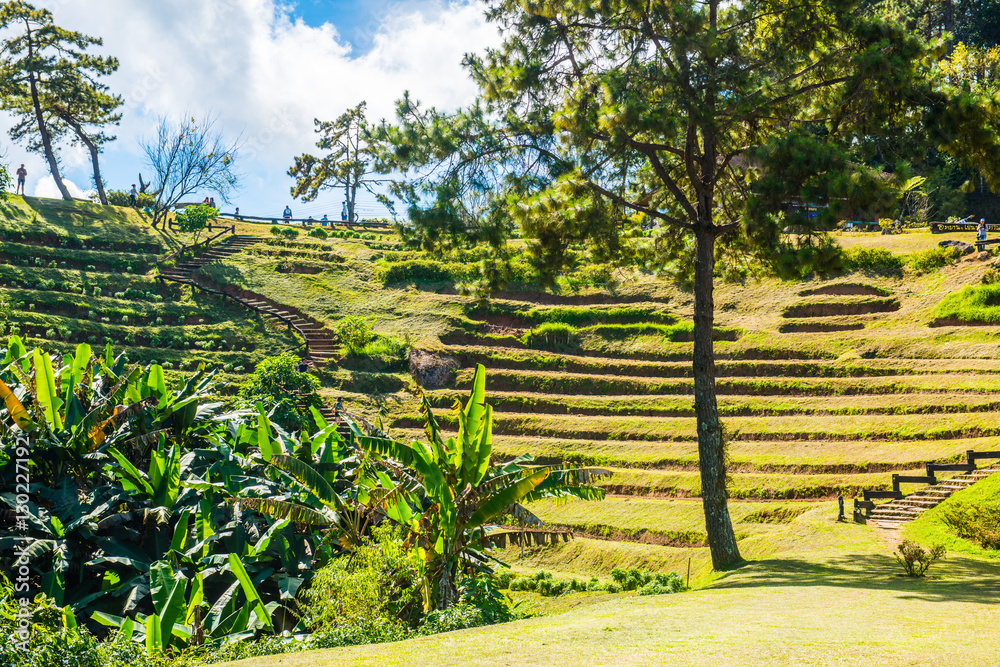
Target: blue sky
x=265 y=69
x=352 y=19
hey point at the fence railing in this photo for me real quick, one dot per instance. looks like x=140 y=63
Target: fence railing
x=930 y=478
x=306 y=221
x=226 y=295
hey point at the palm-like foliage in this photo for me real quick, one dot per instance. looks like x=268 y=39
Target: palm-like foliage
x=461 y=491
x=445 y=492
x=128 y=478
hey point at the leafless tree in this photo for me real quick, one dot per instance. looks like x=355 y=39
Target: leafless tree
x=190 y=157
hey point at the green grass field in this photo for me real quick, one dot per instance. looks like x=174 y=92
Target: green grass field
x=817 y=593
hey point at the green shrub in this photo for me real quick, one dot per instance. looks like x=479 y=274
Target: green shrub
x=121 y=198
x=194 y=219
x=972 y=303
x=319 y=233
x=375 y=590
x=933 y=258
x=355 y=332
x=876 y=260
x=278 y=385
x=456 y=617
x=979 y=522
x=632 y=578
x=663 y=584
x=915 y=559
x=551 y=335
x=992 y=276
x=420 y=270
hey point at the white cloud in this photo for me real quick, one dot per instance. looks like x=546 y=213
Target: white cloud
x=265 y=75
x=46 y=187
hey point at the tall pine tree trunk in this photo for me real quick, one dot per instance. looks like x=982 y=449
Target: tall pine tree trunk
x=711 y=446
x=98 y=181
x=43 y=130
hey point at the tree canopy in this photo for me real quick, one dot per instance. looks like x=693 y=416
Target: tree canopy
x=714 y=122
x=51 y=85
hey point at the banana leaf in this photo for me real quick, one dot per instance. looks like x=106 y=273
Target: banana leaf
x=496 y=503
x=265 y=541
x=308 y=477
x=45 y=387
x=253 y=598
x=16 y=409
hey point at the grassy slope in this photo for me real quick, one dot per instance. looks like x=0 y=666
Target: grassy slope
x=57 y=307
x=930 y=529
x=820 y=593
x=810 y=414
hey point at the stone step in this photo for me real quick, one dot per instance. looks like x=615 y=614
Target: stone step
x=898 y=510
x=917 y=502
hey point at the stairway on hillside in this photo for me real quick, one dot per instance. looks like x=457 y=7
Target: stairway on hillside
x=897 y=513
x=322 y=345
x=233 y=245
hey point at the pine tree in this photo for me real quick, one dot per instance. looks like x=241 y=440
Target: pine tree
x=713 y=122
x=50 y=85
x=348 y=165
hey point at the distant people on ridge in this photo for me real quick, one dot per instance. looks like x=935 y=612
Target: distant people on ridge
x=133 y=196
x=287 y=214
x=981 y=230
x=211 y=202
x=237 y=214
x=22 y=174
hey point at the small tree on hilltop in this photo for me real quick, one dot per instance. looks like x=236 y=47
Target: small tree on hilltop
x=194 y=219
x=715 y=122
x=347 y=165
x=189 y=157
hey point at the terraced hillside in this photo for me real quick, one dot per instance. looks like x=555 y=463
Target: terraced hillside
x=79 y=273
x=826 y=387
x=861 y=389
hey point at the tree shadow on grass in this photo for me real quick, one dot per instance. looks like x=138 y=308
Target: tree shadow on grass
x=955 y=579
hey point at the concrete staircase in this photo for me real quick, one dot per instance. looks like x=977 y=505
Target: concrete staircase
x=899 y=512
x=321 y=341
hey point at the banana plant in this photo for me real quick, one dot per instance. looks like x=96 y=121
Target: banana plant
x=126 y=473
x=318 y=481
x=182 y=616
x=461 y=491
x=445 y=492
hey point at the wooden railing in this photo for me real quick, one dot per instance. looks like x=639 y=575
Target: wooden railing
x=930 y=478
x=253 y=219
x=226 y=295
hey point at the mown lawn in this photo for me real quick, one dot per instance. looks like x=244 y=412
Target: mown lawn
x=819 y=593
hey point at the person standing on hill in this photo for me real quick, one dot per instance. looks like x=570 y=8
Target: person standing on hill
x=287 y=213
x=133 y=196
x=22 y=174
x=981 y=230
